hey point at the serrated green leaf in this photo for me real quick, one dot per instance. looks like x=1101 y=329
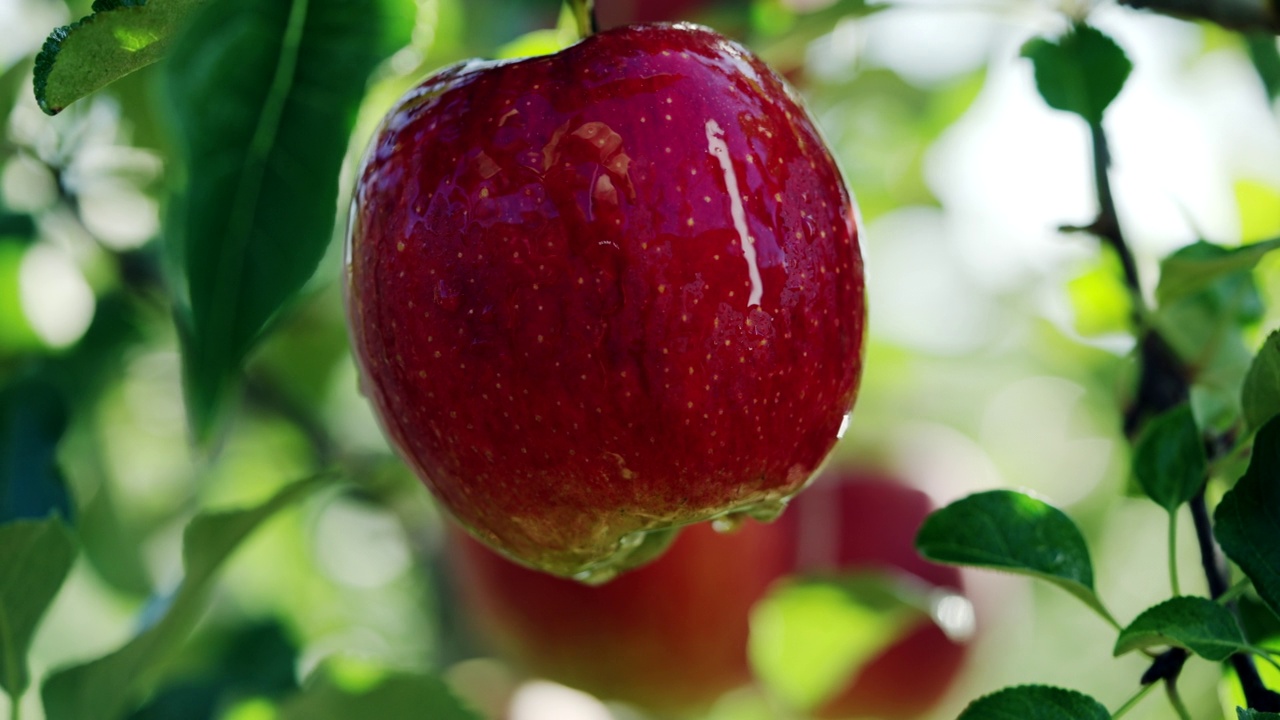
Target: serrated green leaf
x=1197 y=624
x=1247 y=714
x=121 y=36
x=35 y=557
x=1247 y=521
x=810 y=637
x=262 y=98
x=1261 y=395
x=106 y=688
x=1169 y=458
x=1199 y=266
x=1007 y=530
x=1035 y=702
x=374 y=694
x=1080 y=72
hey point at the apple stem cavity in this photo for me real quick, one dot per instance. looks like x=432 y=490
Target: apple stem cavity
x=584 y=13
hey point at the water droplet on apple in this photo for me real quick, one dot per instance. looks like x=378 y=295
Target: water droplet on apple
x=768 y=510
x=728 y=523
x=596 y=575
x=844 y=425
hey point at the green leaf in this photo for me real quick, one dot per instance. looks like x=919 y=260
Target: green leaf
x=1169 y=459
x=1261 y=395
x=35 y=557
x=810 y=637
x=1197 y=624
x=1265 y=54
x=1080 y=72
x=16 y=225
x=121 y=36
x=1035 y=702
x=1209 y=295
x=340 y=690
x=105 y=688
x=1199 y=266
x=1007 y=530
x=262 y=98
x=1247 y=714
x=33 y=418
x=1247 y=521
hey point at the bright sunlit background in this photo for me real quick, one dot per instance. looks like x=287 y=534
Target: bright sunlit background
x=997 y=354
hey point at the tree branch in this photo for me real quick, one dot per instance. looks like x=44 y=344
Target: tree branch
x=1240 y=15
x=1163 y=383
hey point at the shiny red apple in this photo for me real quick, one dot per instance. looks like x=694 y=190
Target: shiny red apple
x=671 y=637
x=606 y=292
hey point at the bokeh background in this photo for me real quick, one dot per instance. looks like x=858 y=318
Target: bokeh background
x=997 y=354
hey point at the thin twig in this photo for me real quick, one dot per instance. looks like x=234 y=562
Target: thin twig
x=1163 y=383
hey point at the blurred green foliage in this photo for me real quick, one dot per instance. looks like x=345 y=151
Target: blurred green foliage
x=340 y=606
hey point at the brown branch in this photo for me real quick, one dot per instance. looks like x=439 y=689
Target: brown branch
x=1240 y=15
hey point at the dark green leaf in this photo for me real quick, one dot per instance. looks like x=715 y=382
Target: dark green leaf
x=121 y=36
x=35 y=557
x=1035 y=702
x=331 y=695
x=810 y=637
x=1169 y=459
x=1247 y=521
x=1266 y=61
x=13 y=225
x=1209 y=296
x=1010 y=531
x=262 y=98
x=257 y=660
x=1247 y=714
x=106 y=688
x=1197 y=624
x=33 y=417
x=1261 y=395
x=1199 y=266
x=1080 y=72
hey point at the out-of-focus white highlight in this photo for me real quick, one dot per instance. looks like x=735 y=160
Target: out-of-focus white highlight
x=1032 y=425
x=541 y=700
x=55 y=297
x=954 y=614
x=360 y=546
x=920 y=298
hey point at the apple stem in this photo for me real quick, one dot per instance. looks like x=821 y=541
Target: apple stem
x=584 y=13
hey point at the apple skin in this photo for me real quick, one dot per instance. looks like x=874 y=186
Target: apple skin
x=605 y=292
x=670 y=636
x=867 y=520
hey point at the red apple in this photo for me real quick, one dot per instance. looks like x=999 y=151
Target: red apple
x=863 y=520
x=606 y=292
x=670 y=636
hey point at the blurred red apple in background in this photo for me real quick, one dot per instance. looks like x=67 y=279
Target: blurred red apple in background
x=670 y=636
x=673 y=636
x=866 y=520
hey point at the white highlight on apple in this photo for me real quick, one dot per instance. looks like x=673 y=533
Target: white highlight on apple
x=718 y=148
